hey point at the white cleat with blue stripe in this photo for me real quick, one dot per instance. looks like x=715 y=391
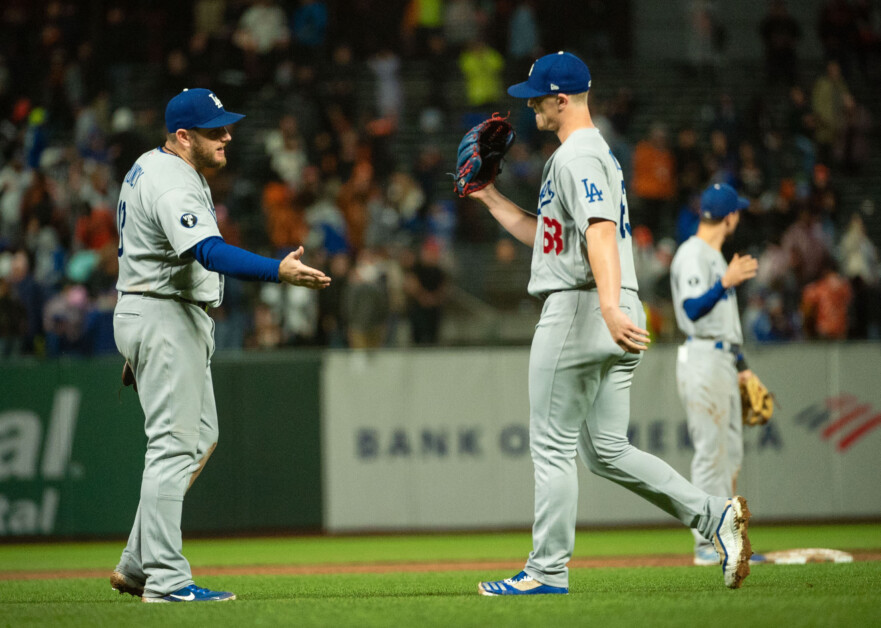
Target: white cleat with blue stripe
x=521 y=584
x=732 y=542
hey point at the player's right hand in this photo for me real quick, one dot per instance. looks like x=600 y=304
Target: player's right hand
x=293 y=271
x=625 y=332
x=739 y=270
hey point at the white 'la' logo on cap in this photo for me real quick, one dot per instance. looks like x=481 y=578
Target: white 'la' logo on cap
x=216 y=100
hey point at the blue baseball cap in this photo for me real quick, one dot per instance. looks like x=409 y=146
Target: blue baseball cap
x=719 y=200
x=197 y=109
x=556 y=73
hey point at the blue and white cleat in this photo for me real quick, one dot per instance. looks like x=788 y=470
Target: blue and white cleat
x=193 y=593
x=706 y=556
x=521 y=584
x=732 y=542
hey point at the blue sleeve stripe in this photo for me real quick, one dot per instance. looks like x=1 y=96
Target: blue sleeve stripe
x=700 y=306
x=218 y=256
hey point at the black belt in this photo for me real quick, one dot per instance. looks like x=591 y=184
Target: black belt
x=202 y=305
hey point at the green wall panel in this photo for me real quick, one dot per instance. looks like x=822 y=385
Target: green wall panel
x=72 y=447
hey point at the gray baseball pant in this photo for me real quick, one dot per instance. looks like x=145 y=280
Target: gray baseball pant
x=706 y=379
x=169 y=346
x=579 y=391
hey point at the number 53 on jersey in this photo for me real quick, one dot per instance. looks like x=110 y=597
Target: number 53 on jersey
x=553 y=229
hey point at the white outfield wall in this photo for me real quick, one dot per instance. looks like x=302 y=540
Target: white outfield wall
x=438 y=439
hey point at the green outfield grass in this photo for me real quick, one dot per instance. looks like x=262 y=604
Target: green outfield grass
x=774 y=595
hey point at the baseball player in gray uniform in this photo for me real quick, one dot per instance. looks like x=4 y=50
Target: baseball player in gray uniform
x=589 y=341
x=710 y=361
x=171 y=266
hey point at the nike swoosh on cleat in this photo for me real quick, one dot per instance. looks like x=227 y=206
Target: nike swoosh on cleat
x=184 y=598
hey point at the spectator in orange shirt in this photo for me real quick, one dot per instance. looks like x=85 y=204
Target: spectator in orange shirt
x=825 y=303
x=353 y=199
x=286 y=223
x=95 y=228
x=654 y=182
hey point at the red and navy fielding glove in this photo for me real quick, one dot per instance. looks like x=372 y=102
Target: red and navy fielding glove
x=480 y=154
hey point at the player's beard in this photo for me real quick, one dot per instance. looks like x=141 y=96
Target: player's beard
x=204 y=156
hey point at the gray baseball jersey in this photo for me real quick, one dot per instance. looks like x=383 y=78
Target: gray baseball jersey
x=165 y=208
x=696 y=267
x=579 y=379
x=581 y=180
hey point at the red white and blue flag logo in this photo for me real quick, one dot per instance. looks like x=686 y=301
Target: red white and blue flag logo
x=843 y=420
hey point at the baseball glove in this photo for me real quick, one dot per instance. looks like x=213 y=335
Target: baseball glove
x=757 y=404
x=480 y=154
x=128 y=376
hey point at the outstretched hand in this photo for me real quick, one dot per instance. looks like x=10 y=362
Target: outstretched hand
x=624 y=331
x=293 y=271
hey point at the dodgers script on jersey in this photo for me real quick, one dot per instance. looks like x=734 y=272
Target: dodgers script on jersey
x=696 y=267
x=165 y=209
x=581 y=180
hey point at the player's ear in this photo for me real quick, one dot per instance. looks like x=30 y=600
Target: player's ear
x=183 y=136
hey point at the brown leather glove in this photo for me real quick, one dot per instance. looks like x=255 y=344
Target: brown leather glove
x=128 y=376
x=757 y=404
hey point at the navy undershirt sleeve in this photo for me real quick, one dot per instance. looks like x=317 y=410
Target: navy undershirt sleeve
x=700 y=306
x=218 y=256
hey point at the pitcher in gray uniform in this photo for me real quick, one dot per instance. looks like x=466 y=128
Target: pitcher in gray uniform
x=171 y=266
x=588 y=341
x=710 y=361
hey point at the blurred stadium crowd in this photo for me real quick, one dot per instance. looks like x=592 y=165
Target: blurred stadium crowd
x=354 y=112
